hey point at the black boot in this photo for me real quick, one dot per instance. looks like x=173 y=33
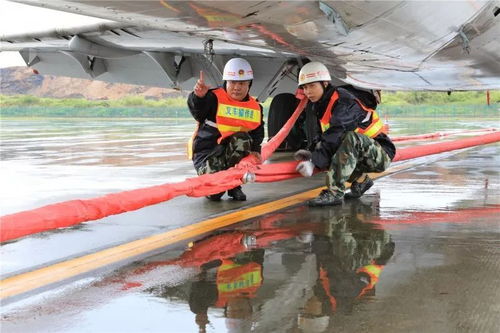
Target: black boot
x=237 y=194
x=326 y=198
x=215 y=197
x=358 y=189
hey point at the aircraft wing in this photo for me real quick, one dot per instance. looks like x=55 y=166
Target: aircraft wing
x=390 y=45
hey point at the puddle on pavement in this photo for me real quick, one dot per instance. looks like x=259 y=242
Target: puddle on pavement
x=298 y=270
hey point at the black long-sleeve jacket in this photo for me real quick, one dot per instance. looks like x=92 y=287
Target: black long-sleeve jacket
x=347 y=115
x=205 y=141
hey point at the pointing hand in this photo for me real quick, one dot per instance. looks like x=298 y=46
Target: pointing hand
x=200 y=89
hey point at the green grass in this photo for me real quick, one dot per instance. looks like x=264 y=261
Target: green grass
x=27 y=100
x=95 y=112
x=439 y=98
x=440 y=111
x=394 y=104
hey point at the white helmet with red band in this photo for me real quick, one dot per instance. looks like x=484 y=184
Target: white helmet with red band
x=313 y=72
x=237 y=69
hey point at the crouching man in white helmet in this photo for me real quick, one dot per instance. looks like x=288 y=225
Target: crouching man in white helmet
x=230 y=123
x=346 y=139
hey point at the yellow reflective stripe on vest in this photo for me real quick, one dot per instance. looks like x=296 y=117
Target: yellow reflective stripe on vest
x=190 y=143
x=235 y=116
x=238 y=112
x=373 y=270
x=243 y=281
x=227 y=128
x=374 y=128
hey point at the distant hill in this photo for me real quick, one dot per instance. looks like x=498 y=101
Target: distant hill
x=22 y=81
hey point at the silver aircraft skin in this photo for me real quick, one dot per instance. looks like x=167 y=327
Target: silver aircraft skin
x=390 y=45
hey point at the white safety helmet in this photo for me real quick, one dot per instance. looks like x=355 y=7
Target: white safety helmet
x=237 y=69
x=313 y=72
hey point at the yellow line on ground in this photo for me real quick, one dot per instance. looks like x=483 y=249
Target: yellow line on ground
x=28 y=281
x=25 y=282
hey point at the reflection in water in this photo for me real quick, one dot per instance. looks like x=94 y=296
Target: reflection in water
x=236 y=282
x=94 y=156
x=299 y=270
x=350 y=259
x=100 y=156
x=281 y=273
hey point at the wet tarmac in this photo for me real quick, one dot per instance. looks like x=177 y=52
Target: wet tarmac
x=418 y=253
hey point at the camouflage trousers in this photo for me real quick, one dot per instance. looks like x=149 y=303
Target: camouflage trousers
x=356 y=156
x=227 y=154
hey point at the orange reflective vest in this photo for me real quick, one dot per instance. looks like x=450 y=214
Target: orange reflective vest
x=325 y=283
x=376 y=126
x=373 y=271
x=237 y=280
x=234 y=116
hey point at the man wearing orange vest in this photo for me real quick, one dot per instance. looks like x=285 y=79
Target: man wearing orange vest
x=347 y=140
x=230 y=123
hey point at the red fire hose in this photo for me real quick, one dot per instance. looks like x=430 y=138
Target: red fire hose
x=72 y=212
x=438 y=135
